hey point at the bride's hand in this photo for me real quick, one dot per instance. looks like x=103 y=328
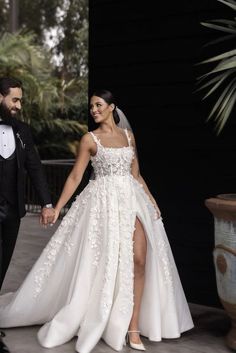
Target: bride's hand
x=56 y=215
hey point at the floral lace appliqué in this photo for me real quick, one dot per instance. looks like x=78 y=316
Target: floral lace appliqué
x=60 y=241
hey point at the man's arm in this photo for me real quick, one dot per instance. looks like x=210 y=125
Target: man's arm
x=37 y=176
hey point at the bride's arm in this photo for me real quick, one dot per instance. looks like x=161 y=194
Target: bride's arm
x=74 y=178
x=136 y=174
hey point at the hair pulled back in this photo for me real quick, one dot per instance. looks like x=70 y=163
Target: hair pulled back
x=109 y=99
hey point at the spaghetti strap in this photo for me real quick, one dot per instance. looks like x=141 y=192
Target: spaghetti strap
x=128 y=137
x=96 y=140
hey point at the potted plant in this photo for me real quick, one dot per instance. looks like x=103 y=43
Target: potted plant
x=220 y=80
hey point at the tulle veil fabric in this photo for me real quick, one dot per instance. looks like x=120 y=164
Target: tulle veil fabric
x=123 y=123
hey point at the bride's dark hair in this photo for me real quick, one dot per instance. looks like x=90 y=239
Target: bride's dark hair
x=109 y=99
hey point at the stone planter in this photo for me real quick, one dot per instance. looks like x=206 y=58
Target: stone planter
x=223 y=209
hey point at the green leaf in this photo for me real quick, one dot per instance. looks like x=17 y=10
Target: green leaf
x=225 y=114
x=217 y=84
x=219 y=40
x=218 y=28
x=225 y=69
x=224 y=65
x=223 y=21
x=212 y=81
x=221 y=56
x=218 y=102
x=224 y=103
x=229 y=3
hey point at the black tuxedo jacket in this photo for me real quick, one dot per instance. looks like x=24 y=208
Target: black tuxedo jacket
x=28 y=161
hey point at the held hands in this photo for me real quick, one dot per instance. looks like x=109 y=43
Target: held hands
x=56 y=215
x=47 y=216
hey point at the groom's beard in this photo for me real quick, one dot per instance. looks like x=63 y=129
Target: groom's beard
x=6 y=114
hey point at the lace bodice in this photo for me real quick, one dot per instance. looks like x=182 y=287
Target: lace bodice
x=111 y=161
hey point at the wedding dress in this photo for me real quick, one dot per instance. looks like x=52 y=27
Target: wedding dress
x=82 y=283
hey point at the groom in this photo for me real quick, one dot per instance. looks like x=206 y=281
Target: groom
x=17 y=156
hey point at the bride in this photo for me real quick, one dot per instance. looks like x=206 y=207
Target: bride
x=108 y=271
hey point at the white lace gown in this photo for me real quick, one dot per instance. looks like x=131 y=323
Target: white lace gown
x=82 y=283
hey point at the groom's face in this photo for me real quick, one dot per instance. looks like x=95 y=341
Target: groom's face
x=10 y=104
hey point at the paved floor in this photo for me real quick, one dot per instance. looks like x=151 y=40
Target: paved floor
x=208 y=335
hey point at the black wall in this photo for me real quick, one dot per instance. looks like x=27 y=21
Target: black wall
x=148 y=58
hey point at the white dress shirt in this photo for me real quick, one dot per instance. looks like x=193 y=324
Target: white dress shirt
x=7 y=141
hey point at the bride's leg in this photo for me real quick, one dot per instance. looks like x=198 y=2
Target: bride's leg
x=140 y=250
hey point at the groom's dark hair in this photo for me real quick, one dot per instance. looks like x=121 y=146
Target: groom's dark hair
x=8 y=82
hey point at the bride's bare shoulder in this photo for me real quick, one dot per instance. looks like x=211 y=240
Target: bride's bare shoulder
x=87 y=139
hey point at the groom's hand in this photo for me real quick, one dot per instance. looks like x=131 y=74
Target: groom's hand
x=47 y=215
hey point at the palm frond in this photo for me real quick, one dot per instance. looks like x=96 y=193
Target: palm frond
x=48 y=100
x=230 y=90
x=230 y=3
x=212 y=81
x=218 y=103
x=218 y=84
x=219 y=40
x=222 y=66
x=228 y=54
x=219 y=28
x=225 y=114
x=223 y=74
x=223 y=21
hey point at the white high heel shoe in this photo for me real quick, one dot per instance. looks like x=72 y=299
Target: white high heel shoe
x=137 y=346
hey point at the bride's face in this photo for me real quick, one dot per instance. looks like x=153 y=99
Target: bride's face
x=100 y=109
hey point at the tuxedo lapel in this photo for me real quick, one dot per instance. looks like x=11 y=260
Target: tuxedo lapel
x=18 y=145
